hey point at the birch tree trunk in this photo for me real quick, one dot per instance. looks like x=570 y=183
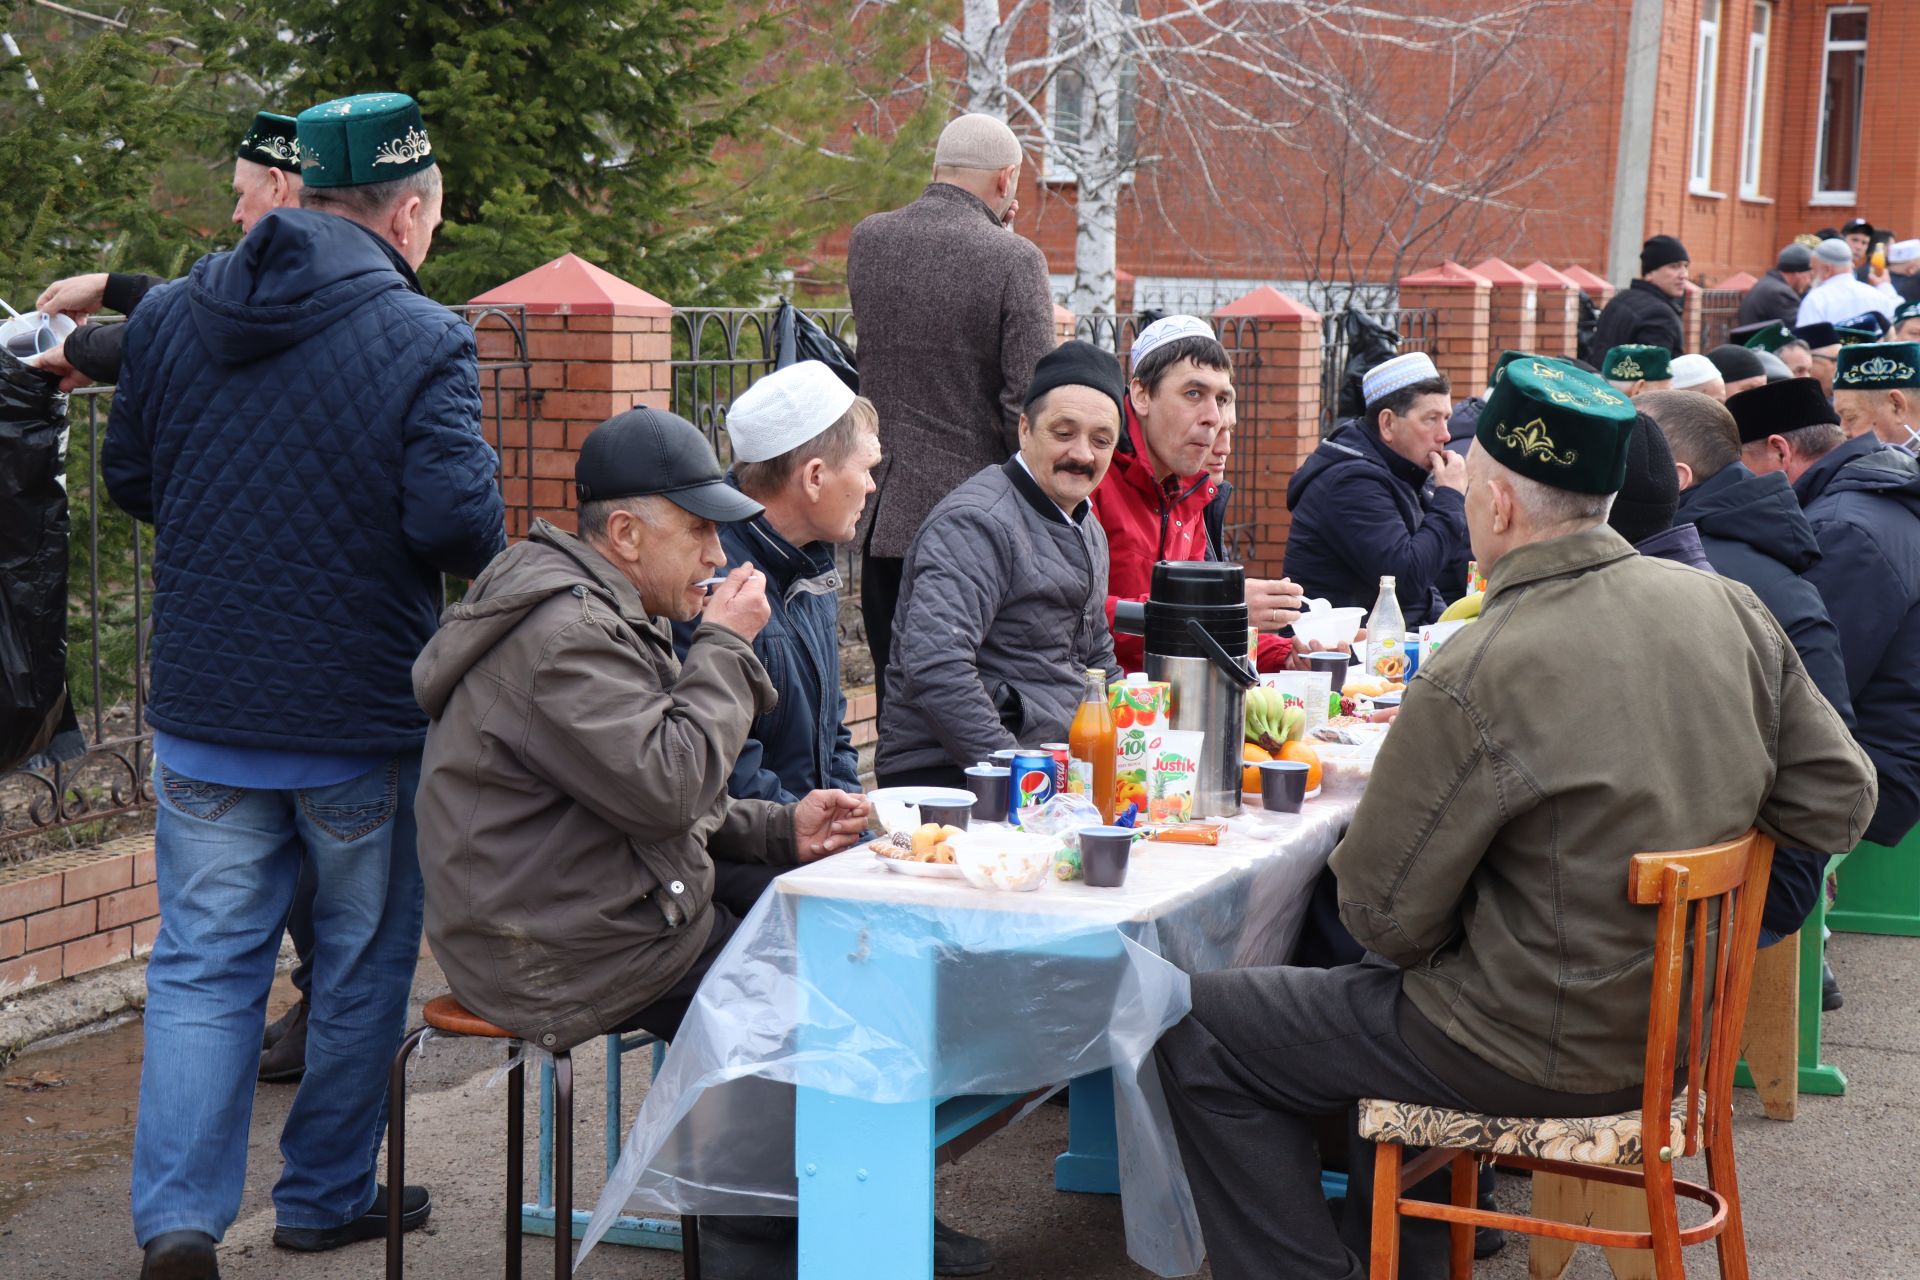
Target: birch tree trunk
x=984 y=41
x=1099 y=165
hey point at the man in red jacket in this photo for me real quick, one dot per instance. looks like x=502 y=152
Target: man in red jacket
x=1153 y=501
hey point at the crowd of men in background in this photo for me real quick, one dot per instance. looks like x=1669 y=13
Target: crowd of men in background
x=583 y=776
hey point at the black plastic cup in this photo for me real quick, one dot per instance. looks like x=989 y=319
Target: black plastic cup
x=989 y=787
x=950 y=815
x=1103 y=855
x=1334 y=662
x=1283 y=785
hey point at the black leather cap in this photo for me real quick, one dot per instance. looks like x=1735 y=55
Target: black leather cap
x=1780 y=407
x=646 y=453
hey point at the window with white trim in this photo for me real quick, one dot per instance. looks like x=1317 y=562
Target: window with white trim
x=1706 y=83
x=1753 y=128
x=1843 y=79
x=1067 y=98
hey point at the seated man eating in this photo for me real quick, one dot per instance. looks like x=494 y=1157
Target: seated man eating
x=1003 y=597
x=1490 y=873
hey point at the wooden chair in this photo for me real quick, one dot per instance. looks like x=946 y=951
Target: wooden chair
x=1606 y=1149
x=449 y=1017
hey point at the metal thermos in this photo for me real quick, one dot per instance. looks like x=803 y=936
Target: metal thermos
x=1194 y=623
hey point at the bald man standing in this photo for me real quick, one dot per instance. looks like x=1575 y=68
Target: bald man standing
x=953 y=310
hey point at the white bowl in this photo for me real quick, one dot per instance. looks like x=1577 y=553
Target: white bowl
x=1328 y=628
x=1011 y=860
x=898 y=808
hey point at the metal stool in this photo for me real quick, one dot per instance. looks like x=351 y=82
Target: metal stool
x=447 y=1016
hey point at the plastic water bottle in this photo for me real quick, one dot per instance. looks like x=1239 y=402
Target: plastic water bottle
x=1387 y=636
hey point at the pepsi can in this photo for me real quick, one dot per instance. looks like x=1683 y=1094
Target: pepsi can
x=1032 y=782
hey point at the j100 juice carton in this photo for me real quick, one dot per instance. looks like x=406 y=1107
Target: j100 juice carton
x=1141 y=708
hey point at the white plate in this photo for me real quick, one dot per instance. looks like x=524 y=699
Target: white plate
x=898 y=808
x=924 y=870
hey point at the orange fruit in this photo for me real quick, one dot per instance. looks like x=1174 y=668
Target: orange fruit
x=1307 y=755
x=1123 y=716
x=1253 y=753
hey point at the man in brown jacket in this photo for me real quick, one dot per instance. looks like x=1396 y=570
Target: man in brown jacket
x=953 y=310
x=1604 y=705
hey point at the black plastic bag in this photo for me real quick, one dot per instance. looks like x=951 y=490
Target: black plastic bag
x=35 y=713
x=797 y=337
x=1368 y=343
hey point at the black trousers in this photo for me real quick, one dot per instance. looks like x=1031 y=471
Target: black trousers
x=736 y=887
x=879 y=595
x=1265 y=1052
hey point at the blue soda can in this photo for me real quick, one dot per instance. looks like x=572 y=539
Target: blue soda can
x=1032 y=782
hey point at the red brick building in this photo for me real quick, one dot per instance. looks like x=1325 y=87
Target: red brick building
x=1734 y=124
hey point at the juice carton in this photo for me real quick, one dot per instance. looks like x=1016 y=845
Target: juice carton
x=1173 y=766
x=1140 y=708
x=1310 y=690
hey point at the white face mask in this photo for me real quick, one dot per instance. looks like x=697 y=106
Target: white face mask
x=1912 y=443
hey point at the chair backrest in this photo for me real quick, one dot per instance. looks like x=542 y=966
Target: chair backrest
x=1733 y=877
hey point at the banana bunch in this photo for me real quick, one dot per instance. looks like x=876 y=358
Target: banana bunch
x=1465 y=609
x=1271 y=723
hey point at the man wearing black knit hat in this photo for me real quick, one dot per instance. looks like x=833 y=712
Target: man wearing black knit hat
x=1647 y=312
x=1003 y=598
x=1741 y=368
x=1863 y=501
x=1649 y=497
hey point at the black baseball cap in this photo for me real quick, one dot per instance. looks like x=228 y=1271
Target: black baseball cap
x=646 y=453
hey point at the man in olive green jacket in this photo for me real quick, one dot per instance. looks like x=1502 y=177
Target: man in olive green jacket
x=1604 y=705
x=583 y=862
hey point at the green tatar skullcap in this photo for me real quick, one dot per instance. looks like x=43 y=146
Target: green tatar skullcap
x=1771 y=338
x=1906 y=311
x=1857 y=337
x=1555 y=423
x=272 y=140
x=358 y=141
x=1637 y=364
x=1877 y=366
x=1506 y=358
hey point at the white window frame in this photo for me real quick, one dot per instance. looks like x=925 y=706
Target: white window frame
x=1054 y=172
x=1753 y=128
x=1706 y=88
x=1829 y=47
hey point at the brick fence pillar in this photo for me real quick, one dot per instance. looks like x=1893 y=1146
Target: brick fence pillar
x=1511 y=312
x=1462 y=302
x=1690 y=317
x=1276 y=349
x=598 y=346
x=1556 y=324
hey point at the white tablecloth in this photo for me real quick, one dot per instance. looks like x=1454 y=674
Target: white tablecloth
x=1032 y=989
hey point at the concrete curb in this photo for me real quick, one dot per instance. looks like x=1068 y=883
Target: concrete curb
x=39 y=1014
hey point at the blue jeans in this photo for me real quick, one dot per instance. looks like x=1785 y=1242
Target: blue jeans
x=227 y=863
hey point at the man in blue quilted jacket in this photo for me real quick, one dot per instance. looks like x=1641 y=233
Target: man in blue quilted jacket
x=302 y=428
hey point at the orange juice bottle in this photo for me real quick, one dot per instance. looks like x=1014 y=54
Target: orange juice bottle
x=1093 y=744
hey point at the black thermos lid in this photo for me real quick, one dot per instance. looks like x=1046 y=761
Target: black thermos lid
x=1206 y=584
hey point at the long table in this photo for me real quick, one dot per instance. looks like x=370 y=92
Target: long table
x=860 y=1019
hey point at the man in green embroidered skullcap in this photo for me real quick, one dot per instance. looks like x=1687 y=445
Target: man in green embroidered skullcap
x=1638 y=368
x=368 y=158
x=1876 y=388
x=302 y=426
x=1514 y=980
x=266 y=176
x=1906 y=322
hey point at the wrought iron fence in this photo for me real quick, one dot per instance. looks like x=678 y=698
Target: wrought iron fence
x=1417 y=328
x=718 y=352
x=45 y=804
x=1719 y=312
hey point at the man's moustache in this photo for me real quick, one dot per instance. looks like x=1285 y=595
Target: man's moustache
x=1073 y=469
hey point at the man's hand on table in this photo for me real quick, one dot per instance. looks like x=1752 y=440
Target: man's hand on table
x=826 y=822
x=1272 y=603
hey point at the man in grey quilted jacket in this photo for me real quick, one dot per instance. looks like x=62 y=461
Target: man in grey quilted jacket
x=1003 y=603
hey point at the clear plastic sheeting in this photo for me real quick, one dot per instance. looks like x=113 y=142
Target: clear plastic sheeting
x=864 y=984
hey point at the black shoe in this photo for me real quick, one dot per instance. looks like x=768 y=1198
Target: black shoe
x=955 y=1254
x=1487 y=1241
x=1830 y=997
x=371 y=1225
x=285 y=1058
x=180 y=1255
x=749 y=1248
x=280 y=1025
